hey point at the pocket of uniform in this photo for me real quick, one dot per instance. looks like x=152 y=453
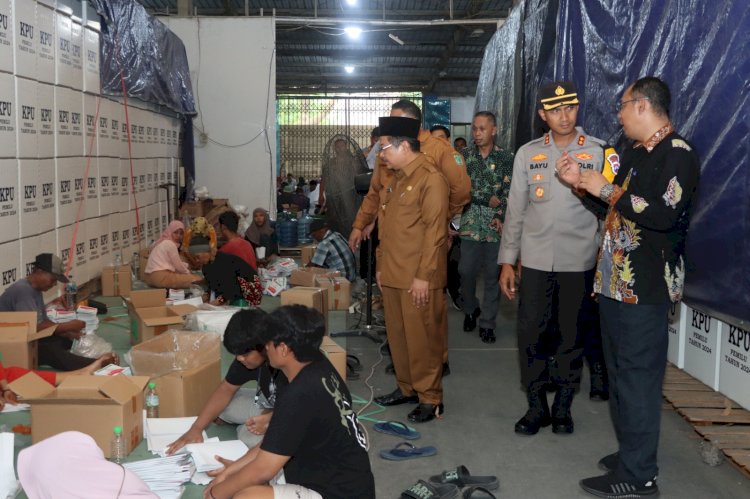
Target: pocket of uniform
x=539 y=190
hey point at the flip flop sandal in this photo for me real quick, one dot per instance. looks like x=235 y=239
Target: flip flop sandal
x=405 y=450
x=478 y=493
x=397 y=429
x=462 y=478
x=424 y=490
x=353 y=361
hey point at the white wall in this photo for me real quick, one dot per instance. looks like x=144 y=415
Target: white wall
x=462 y=109
x=231 y=78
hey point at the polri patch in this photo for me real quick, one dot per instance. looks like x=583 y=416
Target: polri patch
x=459 y=159
x=539 y=192
x=537 y=177
x=539 y=157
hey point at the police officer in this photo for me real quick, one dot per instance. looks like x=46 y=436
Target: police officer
x=550 y=231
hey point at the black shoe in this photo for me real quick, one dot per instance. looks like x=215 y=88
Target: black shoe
x=470 y=320
x=389 y=369
x=425 y=412
x=487 y=335
x=455 y=299
x=531 y=422
x=599 y=384
x=446 y=369
x=396 y=398
x=612 y=487
x=562 y=421
x=609 y=462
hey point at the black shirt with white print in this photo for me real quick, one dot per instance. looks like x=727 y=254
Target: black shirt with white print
x=270 y=381
x=314 y=423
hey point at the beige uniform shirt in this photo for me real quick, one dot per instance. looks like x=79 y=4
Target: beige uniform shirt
x=449 y=163
x=412 y=227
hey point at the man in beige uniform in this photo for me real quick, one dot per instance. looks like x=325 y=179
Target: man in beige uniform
x=449 y=162
x=411 y=271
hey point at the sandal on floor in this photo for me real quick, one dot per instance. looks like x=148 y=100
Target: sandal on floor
x=353 y=361
x=424 y=490
x=478 y=493
x=405 y=450
x=397 y=429
x=461 y=477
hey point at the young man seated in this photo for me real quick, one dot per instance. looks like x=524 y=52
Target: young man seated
x=333 y=250
x=314 y=436
x=250 y=409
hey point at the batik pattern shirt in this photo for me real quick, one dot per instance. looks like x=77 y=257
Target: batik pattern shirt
x=642 y=258
x=489 y=176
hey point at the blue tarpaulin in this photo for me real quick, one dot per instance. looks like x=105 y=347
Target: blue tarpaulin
x=701 y=50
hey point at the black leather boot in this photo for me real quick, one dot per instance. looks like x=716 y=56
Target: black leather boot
x=562 y=421
x=470 y=320
x=599 y=383
x=538 y=414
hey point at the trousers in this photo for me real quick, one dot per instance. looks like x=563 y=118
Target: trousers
x=480 y=257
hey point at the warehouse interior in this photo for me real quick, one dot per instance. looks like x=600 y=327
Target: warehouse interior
x=139 y=103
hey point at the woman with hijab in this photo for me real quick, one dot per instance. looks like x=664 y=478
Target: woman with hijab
x=70 y=465
x=262 y=235
x=165 y=269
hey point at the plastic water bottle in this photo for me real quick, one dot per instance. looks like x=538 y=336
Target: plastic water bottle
x=152 y=401
x=118 y=259
x=118 y=453
x=71 y=290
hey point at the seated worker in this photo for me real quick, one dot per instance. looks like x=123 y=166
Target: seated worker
x=25 y=295
x=261 y=235
x=300 y=199
x=228 y=276
x=12 y=373
x=314 y=434
x=164 y=268
x=250 y=409
x=235 y=245
x=285 y=199
x=71 y=465
x=333 y=251
x=198 y=227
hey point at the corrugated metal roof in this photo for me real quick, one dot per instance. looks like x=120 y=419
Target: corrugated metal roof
x=439 y=58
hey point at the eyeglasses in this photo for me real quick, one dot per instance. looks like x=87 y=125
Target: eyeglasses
x=621 y=104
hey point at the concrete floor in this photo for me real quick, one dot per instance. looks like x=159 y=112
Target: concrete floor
x=483 y=400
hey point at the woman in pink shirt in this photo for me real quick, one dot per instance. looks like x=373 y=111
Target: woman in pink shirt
x=165 y=269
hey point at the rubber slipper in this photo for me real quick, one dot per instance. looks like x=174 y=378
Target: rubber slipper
x=424 y=490
x=397 y=429
x=478 y=493
x=353 y=361
x=461 y=477
x=405 y=450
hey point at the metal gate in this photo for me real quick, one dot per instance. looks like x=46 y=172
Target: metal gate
x=306 y=123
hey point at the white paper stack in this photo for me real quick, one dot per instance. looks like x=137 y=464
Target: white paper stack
x=160 y=432
x=60 y=315
x=176 y=294
x=165 y=476
x=113 y=370
x=203 y=454
x=88 y=315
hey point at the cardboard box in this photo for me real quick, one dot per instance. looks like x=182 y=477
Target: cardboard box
x=150 y=316
x=339 y=291
x=48 y=194
x=676 y=328
x=63 y=39
x=307 y=251
x=10 y=264
x=702 y=347
x=9 y=200
x=76 y=52
x=734 y=367
x=316 y=298
x=193 y=362
x=45 y=63
x=26 y=117
x=90 y=404
x=47 y=123
x=25 y=47
x=91 y=58
x=117 y=281
x=18 y=339
x=30 y=197
x=6 y=37
x=8 y=109
x=336 y=354
x=308 y=276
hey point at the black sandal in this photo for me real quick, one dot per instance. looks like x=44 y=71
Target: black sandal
x=424 y=490
x=483 y=493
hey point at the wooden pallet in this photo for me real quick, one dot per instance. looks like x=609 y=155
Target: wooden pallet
x=714 y=416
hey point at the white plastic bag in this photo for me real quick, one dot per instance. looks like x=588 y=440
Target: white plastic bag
x=211 y=318
x=91 y=345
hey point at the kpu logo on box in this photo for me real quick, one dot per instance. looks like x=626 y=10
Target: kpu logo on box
x=65 y=254
x=28 y=112
x=26 y=30
x=29 y=191
x=80 y=249
x=47 y=189
x=4 y=22
x=91 y=55
x=701 y=321
x=104 y=181
x=63 y=116
x=92 y=182
x=78 y=184
x=45 y=115
x=6 y=108
x=29 y=268
x=64 y=45
x=93 y=244
x=739 y=337
x=45 y=38
x=75 y=118
x=103 y=240
x=7 y=194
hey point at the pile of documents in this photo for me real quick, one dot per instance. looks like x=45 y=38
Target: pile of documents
x=160 y=432
x=165 y=476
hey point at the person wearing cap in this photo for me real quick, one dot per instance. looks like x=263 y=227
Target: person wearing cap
x=550 y=233
x=332 y=251
x=448 y=162
x=26 y=295
x=164 y=268
x=640 y=272
x=490 y=169
x=285 y=199
x=411 y=268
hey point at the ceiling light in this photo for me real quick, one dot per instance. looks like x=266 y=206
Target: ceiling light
x=395 y=38
x=353 y=32
x=349 y=69
x=477 y=32
x=351 y=2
